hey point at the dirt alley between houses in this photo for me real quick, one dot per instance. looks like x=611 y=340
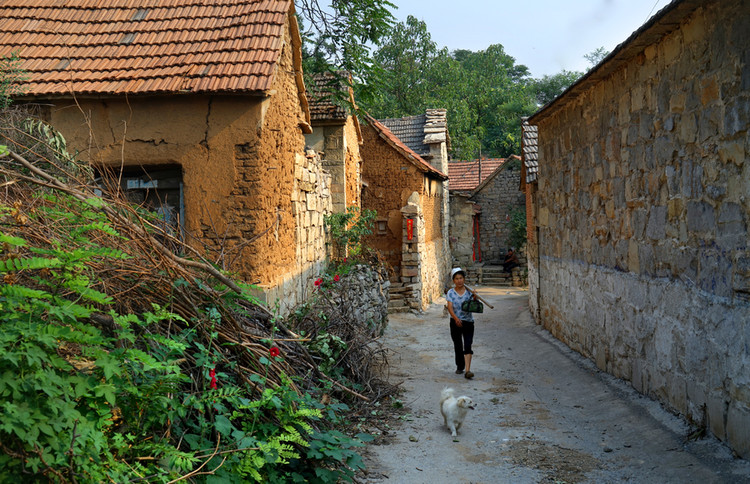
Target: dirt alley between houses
x=544 y=414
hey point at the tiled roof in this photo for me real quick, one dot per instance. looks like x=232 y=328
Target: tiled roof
x=417 y=131
x=326 y=95
x=465 y=175
x=145 y=46
x=387 y=135
x=410 y=130
x=530 y=148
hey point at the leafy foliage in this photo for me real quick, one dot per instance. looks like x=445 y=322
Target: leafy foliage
x=348 y=228
x=549 y=87
x=105 y=378
x=338 y=34
x=12 y=77
x=486 y=92
x=517 y=236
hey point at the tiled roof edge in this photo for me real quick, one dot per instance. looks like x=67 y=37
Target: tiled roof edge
x=399 y=146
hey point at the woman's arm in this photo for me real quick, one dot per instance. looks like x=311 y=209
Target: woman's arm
x=453 y=315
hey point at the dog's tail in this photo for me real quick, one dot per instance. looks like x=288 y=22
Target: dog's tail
x=445 y=394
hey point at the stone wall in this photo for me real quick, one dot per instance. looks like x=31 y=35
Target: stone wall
x=339 y=144
x=461 y=230
x=498 y=196
x=366 y=292
x=643 y=208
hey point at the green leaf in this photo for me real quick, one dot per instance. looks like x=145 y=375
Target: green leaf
x=223 y=425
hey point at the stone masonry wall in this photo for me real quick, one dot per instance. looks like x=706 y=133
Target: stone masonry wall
x=461 y=230
x=498 y=198
x=643 y=211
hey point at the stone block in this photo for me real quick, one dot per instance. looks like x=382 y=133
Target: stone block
x=715 y=274
x=677 y=392
x=738 y=429
x=700 y=217
x=646 y=258
x=732 y=228
x=409 y=272
x=656 y=222
x=688 y=129
x=716 y=412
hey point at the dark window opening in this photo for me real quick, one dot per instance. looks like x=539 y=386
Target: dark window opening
x=159 y=190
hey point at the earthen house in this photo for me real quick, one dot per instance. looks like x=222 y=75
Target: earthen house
x=336 y=136
x=201 y=108
x=409 y=196
x=640 y=204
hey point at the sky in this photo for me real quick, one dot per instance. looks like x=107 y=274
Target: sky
x=546 y=36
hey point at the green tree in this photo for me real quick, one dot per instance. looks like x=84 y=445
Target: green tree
x=338 y=33
x=486 y=92
x=549 y=87
x=596 y=56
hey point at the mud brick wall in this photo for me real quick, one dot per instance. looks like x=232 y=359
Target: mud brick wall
x=243 y=168
x=643 y=211
x=352 y=165
x=391 y=179
x=396 y=189
x=498 y=198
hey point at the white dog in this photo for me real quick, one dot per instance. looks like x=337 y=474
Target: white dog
x=454 y=409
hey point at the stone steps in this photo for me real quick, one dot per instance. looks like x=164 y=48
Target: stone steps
x=398 y=293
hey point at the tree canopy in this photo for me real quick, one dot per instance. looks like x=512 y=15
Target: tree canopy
x=404 y=73
x=485 y=92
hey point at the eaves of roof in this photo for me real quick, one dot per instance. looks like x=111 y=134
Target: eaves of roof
x=122 y=47
x=404 y=150
x=466 y=175
x=662 y=23
x=494 y=174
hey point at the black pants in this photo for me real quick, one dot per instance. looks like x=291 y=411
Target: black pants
x=462 y=338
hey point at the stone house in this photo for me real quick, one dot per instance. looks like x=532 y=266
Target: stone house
x=484 y=194
x=640 y=203
x=336 y=136
x=201 y=109
x=408 y=194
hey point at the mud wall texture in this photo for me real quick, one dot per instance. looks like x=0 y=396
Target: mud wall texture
x=643 y=209
x=498 y=198
x=353 y=165
x=252 y=198
x=391 y=179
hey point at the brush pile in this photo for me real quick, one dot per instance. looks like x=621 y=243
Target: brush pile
x=176 y=371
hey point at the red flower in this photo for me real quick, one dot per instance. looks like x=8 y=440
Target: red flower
x=318 y=282
x=274 y=351
x=336 y=278
x=212 y=374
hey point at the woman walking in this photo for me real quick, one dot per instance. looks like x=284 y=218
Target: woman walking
x=462 y=322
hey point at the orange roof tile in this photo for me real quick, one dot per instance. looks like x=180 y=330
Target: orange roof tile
x=465 y=175
x=144 y=46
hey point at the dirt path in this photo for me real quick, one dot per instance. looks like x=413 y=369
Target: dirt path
x=544 y=414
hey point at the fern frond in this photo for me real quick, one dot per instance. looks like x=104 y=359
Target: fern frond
x=31 y=263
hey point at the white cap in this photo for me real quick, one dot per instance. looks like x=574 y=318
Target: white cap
x=455 y=270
